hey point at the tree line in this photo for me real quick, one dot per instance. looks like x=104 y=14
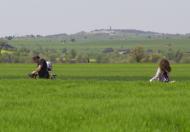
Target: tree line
x=135 y=55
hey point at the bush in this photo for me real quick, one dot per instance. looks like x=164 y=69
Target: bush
x=137 y=54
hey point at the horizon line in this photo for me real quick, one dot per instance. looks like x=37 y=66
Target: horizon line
x=35 y=34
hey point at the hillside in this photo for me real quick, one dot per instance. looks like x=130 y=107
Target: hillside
x=121 y=34
x=106 y=46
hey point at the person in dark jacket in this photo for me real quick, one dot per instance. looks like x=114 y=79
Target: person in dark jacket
x=42 y=68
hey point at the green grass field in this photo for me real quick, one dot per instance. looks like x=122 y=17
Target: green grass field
x=94 y=98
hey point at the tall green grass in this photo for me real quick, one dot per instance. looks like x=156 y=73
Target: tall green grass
x=94 y=98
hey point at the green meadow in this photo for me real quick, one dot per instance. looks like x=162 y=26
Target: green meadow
x=94 y=98
x=95 y=46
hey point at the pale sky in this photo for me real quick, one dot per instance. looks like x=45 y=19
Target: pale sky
x=20 y=17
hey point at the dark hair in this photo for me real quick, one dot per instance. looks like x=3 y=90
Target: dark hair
x=165 y=65
x=36 y=57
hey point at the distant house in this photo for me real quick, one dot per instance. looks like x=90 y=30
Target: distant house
x=108 y=50
x=92 y=61
x=159 y=51
x=149 y=51
x=6 y=48
x=124 y=51
x=73 y=61
x=103 y=31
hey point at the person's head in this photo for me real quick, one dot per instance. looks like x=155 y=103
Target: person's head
x=36 y=59
x=165 y=65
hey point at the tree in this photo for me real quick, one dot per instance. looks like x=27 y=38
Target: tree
x=73 y=40
x=73 y=54
x=2 y=42
x=64 y=50
x=178 y=56
x=9 y=37
x=155 y=58
x=149 y=37
x=138 y=54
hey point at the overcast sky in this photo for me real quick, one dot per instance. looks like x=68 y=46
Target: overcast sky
x=19 y=17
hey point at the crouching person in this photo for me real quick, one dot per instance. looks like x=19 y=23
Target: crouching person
x=42 y=69
x=163 y=71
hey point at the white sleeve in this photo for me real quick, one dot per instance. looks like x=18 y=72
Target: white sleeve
x=156 y=77
x=49 y=64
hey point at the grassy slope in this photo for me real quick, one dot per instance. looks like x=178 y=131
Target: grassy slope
x=97 y=46
x=94 y=98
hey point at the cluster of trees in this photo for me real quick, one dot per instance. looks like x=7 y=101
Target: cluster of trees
x=140 y=55
x=135 y=55
x=24 y=55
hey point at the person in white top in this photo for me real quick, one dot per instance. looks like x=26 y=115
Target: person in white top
x=50 y=70
x=49 y=65
x=163 y=71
